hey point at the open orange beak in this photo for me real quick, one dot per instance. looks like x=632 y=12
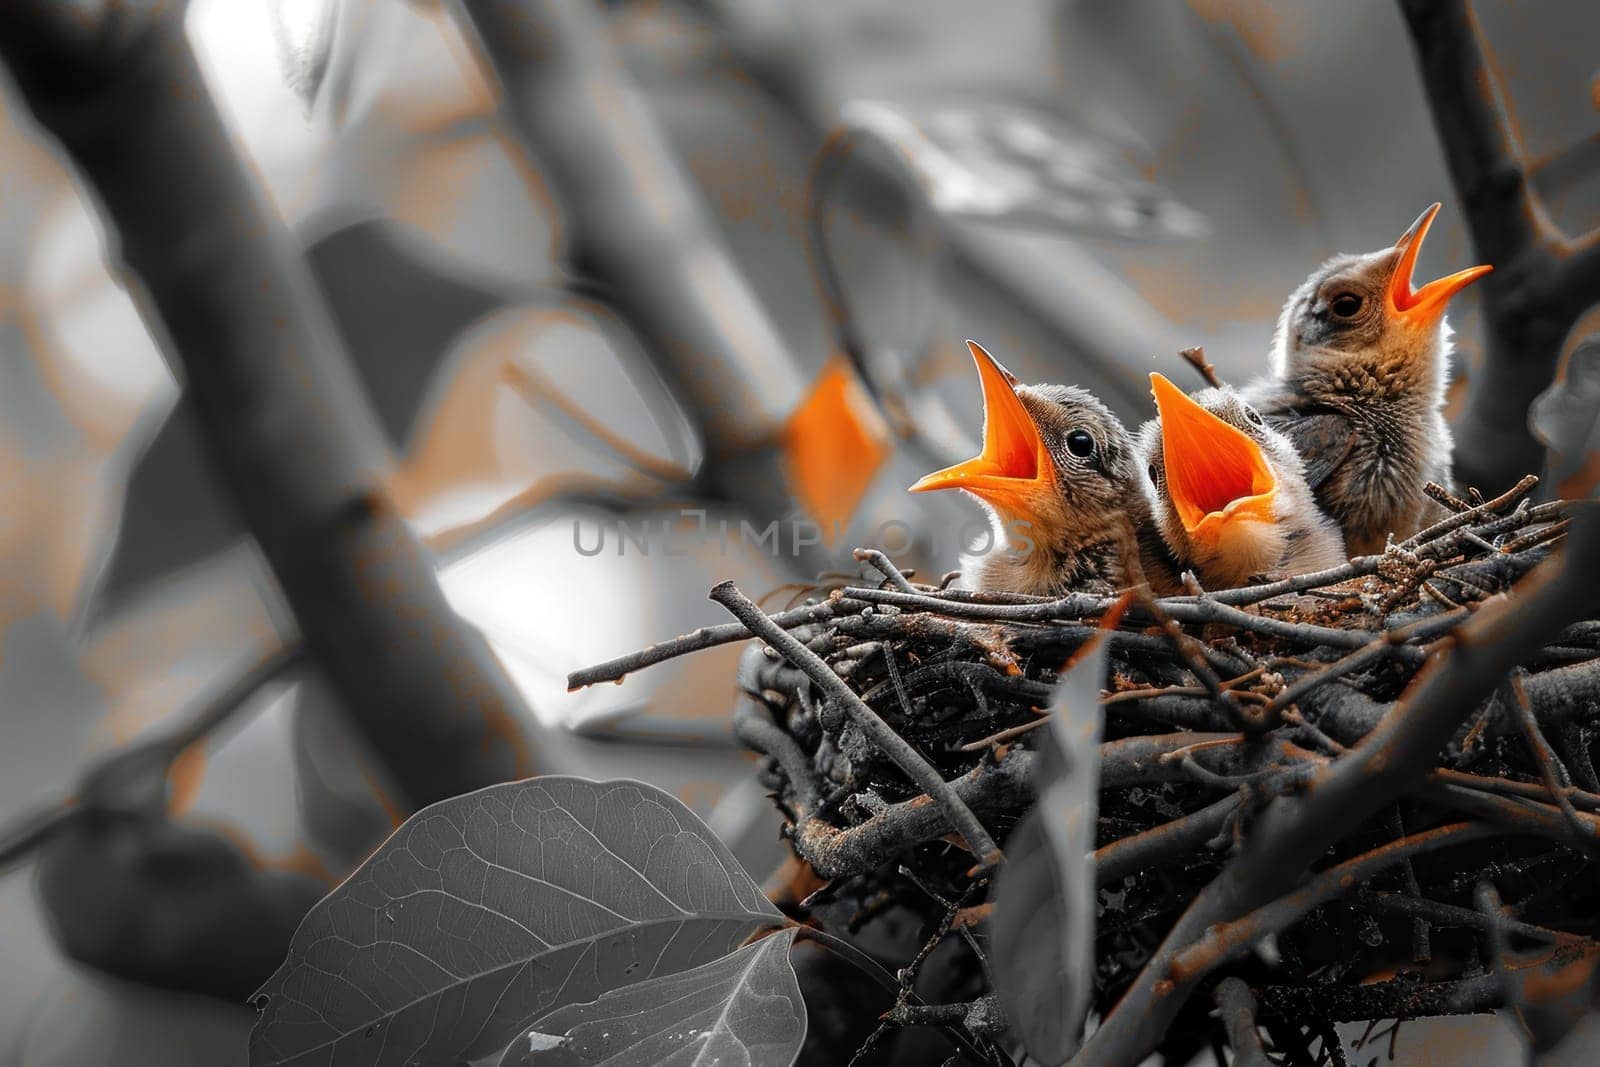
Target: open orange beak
x=1423 y=307
x=1014 y=468
x=1216 y=475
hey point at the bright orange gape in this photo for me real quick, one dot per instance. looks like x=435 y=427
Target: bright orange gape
x=1424 y=306
x=1014 y=467
x=1216 y=476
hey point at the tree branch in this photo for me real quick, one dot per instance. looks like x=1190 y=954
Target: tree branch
x=1542 y=281
x=636 y=226
x=296 y=442
x=1237 y=1006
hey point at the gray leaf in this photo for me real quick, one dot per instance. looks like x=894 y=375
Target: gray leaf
x=744 y=1008
x=1042 y=932
x=485 y=914
x=1009 y=160
x=1566 y=417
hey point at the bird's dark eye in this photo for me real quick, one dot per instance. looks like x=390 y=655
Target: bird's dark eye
x=1345 y=305
x=1080 y=444
x=1155 y=474
x=1252 y=414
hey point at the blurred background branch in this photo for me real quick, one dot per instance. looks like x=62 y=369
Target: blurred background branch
x=287 y=427
x=1543 y=281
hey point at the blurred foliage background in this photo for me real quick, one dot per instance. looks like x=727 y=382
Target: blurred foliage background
x=1091 y=187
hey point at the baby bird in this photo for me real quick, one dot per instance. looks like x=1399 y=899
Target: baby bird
x=1229 y=493
x=1059 y=479
x=1359 y=367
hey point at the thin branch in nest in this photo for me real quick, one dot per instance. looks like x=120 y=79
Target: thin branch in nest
x=908 y=973
x=1445 y=498
x=763 y=735
x=1511 y=788
x=915 y=766
x=1468 y=514
x=1439 y=914
x=615 y=670
x=1000 y=737
x=1229 y=940
x=1404 y=997
x=1372 y=651
x=1168 y=842
x=1192 y=654
x=1551 y=772
x=1525 y=815
x=1236 y=1006
x=885 y=566
x=1421 y=932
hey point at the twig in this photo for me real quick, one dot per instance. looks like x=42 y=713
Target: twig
x=1181 y=837
x=1374 y=650
x=878 y=974
x=615 y=670
x=1440 y=914
x=1208 y=609
x=885 y=566
x=1200 y=610
x=1421 y=932
x=1399 y=998
x=1549 y=764
x=1000 y=737
x=1196 y=358
x=762 y=735
x=1001 y=786
x=1072 y=606
x=1517 y=813
x=1227 y=941
x=1436 y=492
x=1237 y=1007
x=1189 y=652
x=908 y=973
x=1508 y=787
x=1469 y=515
x=892 y=744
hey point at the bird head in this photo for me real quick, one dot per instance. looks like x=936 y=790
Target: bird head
x=1367 y=306
x=1053 y=457
x=1217 y=476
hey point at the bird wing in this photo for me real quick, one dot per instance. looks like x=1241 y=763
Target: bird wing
x=1323 y=439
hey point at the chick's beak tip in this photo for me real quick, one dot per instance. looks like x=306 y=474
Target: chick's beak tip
x=1424 y=306
x=1013 y=460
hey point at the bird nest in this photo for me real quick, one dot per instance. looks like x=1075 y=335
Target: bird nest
x=1217 y=705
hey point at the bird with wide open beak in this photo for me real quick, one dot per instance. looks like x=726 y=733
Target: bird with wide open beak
x=1014 y=472
x=1058 y=478
x=1359 y=367
x=1230 y=497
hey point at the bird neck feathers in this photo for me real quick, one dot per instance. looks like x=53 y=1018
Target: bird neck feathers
x=1404 y=367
